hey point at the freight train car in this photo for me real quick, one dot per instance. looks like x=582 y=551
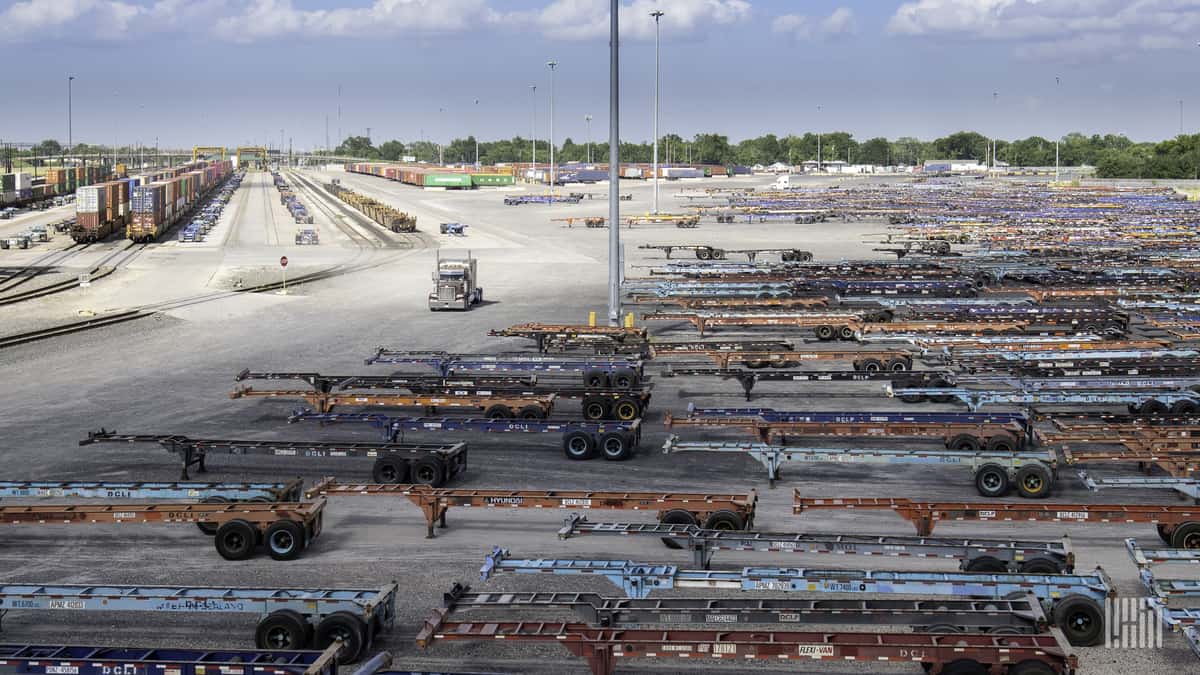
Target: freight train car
x=100 y=210
x=158 y=204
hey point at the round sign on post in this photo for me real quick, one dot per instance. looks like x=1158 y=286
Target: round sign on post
x=283 y=261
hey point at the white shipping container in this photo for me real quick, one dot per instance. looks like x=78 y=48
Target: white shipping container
x=24 y=181
x=89 y=199
x=7 y=197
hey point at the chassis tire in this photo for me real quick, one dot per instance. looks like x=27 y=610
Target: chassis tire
x=1004 y=442
x=346 y=627
x=624 y=378
x=725 y=520
x=284 y=540
x=211 y=528
x=1040 y=565
x=985 y=564
x=579 y=445
x=965 y=443
x=1153 y=407
x=595 y=379
x=870 y=365
x=676 y=517
x=595 y=408
x=1186 y=535
x=992 y=481
x=1031 y=667
x=390 y=469
x=1081 y=620
x=531 y=412
x=898 y=365
x=429 y=471
x=627 y=409
x=282 y=629
x=616 y=446
x=1034 y=481
x=236 y=539
x=498 y=412
x=824 y=332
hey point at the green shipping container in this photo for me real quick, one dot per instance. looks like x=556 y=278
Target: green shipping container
x=8 y=182
x=491 y=179
x=447 y=180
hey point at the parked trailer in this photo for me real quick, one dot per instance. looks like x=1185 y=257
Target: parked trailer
x=1177 y=525
x=518 y=200
x=290 y=491
x=716 y=511
x=285 y=529
x=603 y=648
x=996 y=432
x=865 y=361
x=1187 y=487
x=973 y=554
x=289 y=618
x=430 y=464
x=548 y=336
x=599 y=371
x=1135 y=400
x=492 y=406
x=1182 y=620
x=616 y=441
x=993 y=472
x=707 y=252
x=1013 y=616
x=37 y=659
x=825 y=325
x=749 y=378
x=1148 y=557
x=596 y=403
x=1074 y=601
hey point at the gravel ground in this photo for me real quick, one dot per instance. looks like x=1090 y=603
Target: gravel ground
x=171 y=374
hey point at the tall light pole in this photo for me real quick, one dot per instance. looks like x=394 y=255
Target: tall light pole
x=995 y=98
x=1058 y=89
x=70 y=139
x=588 y=119
x=533 y=169
x=1180 y=117
x=476 y=135
x=657 y=14
x=818 y=139
x=553 y=64
x=614 y=169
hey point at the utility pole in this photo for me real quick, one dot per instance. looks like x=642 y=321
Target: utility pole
x=327 y=148
x=533 y=160
x=70 y=125
x=553 y=178
x=818 y=139
x=339 y=121
x=588 y=119
x=476 y=135
x=1057 y=88
x=614 y=169
x=1180 y=117
x=657 y=14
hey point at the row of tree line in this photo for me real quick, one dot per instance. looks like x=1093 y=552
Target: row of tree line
x=1113 y=155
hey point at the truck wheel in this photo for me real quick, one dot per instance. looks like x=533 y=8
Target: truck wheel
x=211 y=528
x=615 y=446
x=595 y=408
x=285 y=540
x=595 y=379
x=579 y=445
x=1034 y=481
x=624 y=378
x=870 y=365
x=1153 y=407
x=1164 y=532
x=236 y=539
x=498 y=412
x=992 y=480
x=899 y=365
x=1186 y=535
x=965 y=443
x=1003 y=442
x=1183 y=407
x=531 y=412
x=964 y=667
x=1040 y=565
x=429 y=471
x=846 y=332
x=1031 y=667
x=346 y=627
x=627 y=409
x=805 y=256
x=389 y=469
x=725 y=520
x=703 y=254
x=676 y=517
x=985 y=564
x=282 y=629
x=1080 y=619
x=718 y=254
x=824 y=332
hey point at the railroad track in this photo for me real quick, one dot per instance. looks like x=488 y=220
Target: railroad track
x=74 y=327
x=318 y=202
x=48 y=259
x=107 y=265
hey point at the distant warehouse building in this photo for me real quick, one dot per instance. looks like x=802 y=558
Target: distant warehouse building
x=953 y=166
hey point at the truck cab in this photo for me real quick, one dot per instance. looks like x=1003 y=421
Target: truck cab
x=455 y=284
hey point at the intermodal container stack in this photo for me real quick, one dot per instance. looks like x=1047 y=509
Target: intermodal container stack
x=161 y=198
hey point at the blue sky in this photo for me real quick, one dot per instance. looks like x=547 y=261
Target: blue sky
x=232 y=71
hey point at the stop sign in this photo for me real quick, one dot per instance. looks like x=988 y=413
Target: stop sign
x=283 y=261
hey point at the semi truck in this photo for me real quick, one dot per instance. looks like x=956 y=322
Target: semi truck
x=454 y=284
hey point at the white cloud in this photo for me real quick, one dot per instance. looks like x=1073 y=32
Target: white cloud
x=273 y=18
x=1057 y=29
x=840 y=22
x=589 y=20
x=31 y=19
